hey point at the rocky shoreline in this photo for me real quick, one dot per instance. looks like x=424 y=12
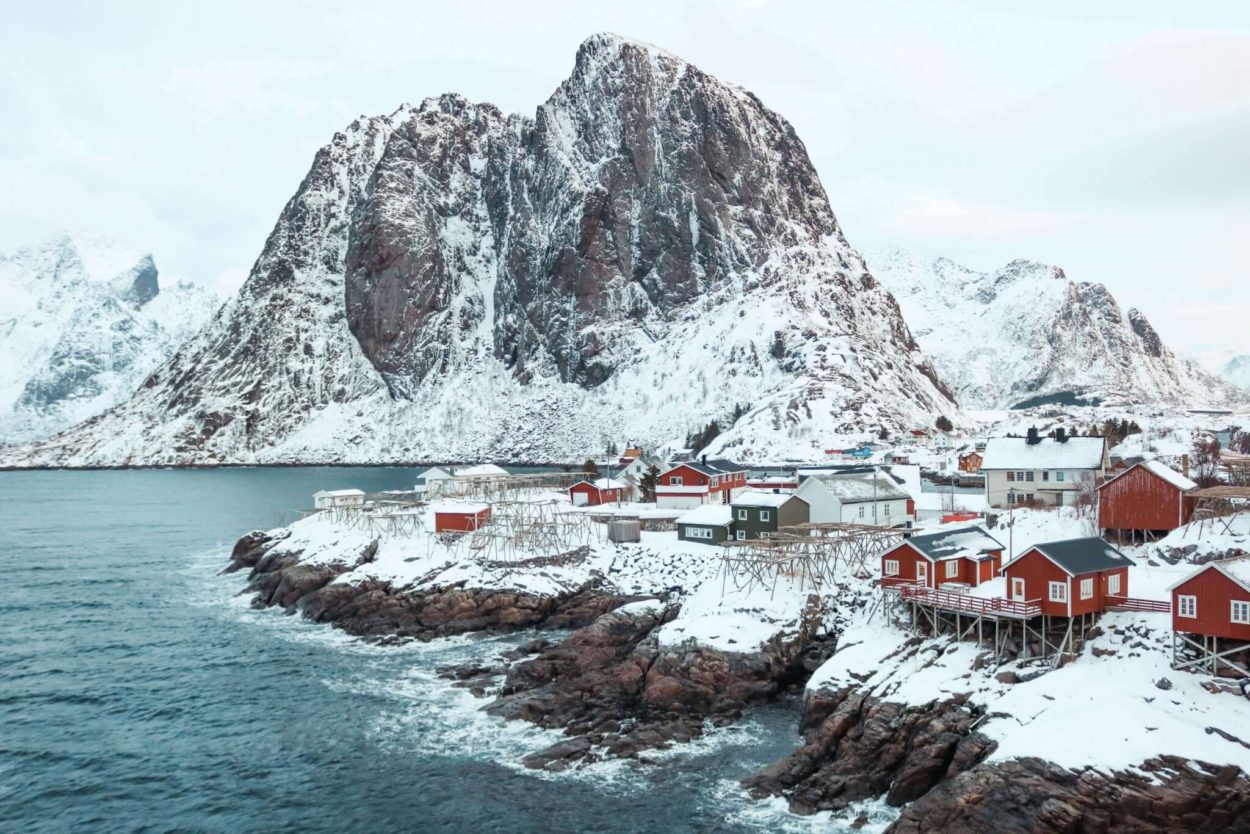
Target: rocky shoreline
x=618 y=691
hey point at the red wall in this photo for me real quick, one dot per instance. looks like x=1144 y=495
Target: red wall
x=1214 y=591
x=907 y=557
x=596 y=496
x=725 y=484
x=1038 y=572
x=1141 y=500
x=689 y=477
x=460 y=522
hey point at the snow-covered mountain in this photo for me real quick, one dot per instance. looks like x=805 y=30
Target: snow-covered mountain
x=83 y=321
x=1026 y=335
x=1232 y=364
x=650 y=251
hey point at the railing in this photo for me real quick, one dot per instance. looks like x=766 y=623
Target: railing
x=961 y=600
x=1132 y=604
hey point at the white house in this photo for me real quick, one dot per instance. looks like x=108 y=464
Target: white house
x=329 y=499
x=439 y=480
x=1044 y=469
x=856 y=499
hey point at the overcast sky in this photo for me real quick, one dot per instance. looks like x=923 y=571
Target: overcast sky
x=1114 y=144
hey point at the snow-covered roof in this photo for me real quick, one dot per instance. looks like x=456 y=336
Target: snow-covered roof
x=462 y=508
x=720 y=466
x=720 y=515
x=337 y=493
x=1237 y=570
x=481 y=470
x=1161 y=469
x=859 y=490
x=604 y=483
x=1078 y=556
x=958 y=543
x=1046 y=453
x=758 y=498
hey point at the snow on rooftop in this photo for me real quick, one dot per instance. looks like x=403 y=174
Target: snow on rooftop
x=334 y=493
x=956 y=542
x=718 y=514
x=851 y=489
x=480 y=470
x=605 y=483
x=758 y=498
x=1169 y=474
x=1046 y=453
x=461 y=507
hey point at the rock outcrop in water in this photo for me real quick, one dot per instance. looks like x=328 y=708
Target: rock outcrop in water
x=650 y=251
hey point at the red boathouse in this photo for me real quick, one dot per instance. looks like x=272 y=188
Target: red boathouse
x=1069 y=578
x=964 y=556
x=1148 y=497
x=461 y=518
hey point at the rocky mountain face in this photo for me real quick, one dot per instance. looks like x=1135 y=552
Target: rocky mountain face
x=1027 y=335
x=651 y=251
x=1231 y=364
x=84 y=321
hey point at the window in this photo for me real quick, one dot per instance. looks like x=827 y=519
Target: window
x=887 y=509
x=1186 y=605
x=1087 y=588
x=1058 y=592
x=1059 y=475
x=742 y=514
x=742 y=535
x=952 y=568
x=674 y=480
x=861 y=510
x=1240 y=611
x=698 y=532
x=1045 y=475
x=765 y=515
x=1011 y=476
x=891 y=567
x=1028 y=476
x=1019 y=476
x=1113 y=585
x=715 y=482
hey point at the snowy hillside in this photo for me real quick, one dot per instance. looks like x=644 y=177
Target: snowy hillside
x=1231 y=364
x=1025 y=334
x=651 y=251
x=84 y=321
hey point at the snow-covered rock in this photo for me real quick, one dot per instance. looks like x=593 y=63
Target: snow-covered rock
x=1232 y=364
x=84 y=320
x=1027 y=335
x=651 y=251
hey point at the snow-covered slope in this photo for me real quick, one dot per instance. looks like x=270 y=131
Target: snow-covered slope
x=1232 y=364
x=83 y=320
x=1026 y=335
x=651 y=251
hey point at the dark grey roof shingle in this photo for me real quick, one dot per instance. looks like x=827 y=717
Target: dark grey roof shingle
x=1087 y=555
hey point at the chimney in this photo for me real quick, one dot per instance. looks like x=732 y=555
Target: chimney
x=1061 y=435
x=1185 y=465
x=703 y=460
x=1032 y=438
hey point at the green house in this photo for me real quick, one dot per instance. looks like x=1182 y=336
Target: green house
x=708 y=524
x=759 y=515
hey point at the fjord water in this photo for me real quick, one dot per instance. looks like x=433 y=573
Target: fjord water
x=139 y=692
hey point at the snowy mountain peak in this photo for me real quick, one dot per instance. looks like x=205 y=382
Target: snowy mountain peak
x=1025 y=334
x=650 y=251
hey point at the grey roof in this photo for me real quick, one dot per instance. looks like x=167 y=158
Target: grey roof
x=1078 y=556
x=719 y=466
x=859 y=490
x=964 y=542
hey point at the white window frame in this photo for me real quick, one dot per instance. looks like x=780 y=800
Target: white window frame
x=715 y=482
x=699 y=532
x=1239 y=611
x=741 y=535
x=1057 y=591
x=765 y=515
x=1059 y=476
x=742 y=514
x=891 y=567
x=861 y=510
x=952 y=568
x=674 y=480
x=1087 y=588
x=1187 y=606
x=1113 y=585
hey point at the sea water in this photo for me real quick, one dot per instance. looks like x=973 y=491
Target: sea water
x=140 y=692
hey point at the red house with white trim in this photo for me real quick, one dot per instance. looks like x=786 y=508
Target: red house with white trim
x=461 y=518
x=694 y=483
x=1068 y=578
x=1214 y=601
x=1146 y=496
x=596 y=492
x=964 y=556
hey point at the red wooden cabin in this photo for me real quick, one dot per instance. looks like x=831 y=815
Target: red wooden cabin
x=463 y=518
x=693 y=483
x=970 y=463
x=596 y=492
x=1145 y=496
x=964 y=555
x=1214 y=601
x=1068 y=578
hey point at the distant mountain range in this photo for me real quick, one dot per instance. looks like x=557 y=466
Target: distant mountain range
x=1026 y=335
x=84 y=320
x=1232 y=364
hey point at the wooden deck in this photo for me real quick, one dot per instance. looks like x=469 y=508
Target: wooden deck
x=964 y=603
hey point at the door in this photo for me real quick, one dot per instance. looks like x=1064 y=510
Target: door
x=1017 y=588
x=922 y=573
x=580 y=499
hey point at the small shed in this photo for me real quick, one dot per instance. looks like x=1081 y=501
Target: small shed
x=461 y=518
x=1068 y=578
x=1148 y=496
x=965 y=555
x=1214 y=601
x=708 y=524
x=596 y=492
x=329 y=499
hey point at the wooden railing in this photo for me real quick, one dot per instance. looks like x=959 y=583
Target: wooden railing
x=961 y=601
x=1133 y=604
